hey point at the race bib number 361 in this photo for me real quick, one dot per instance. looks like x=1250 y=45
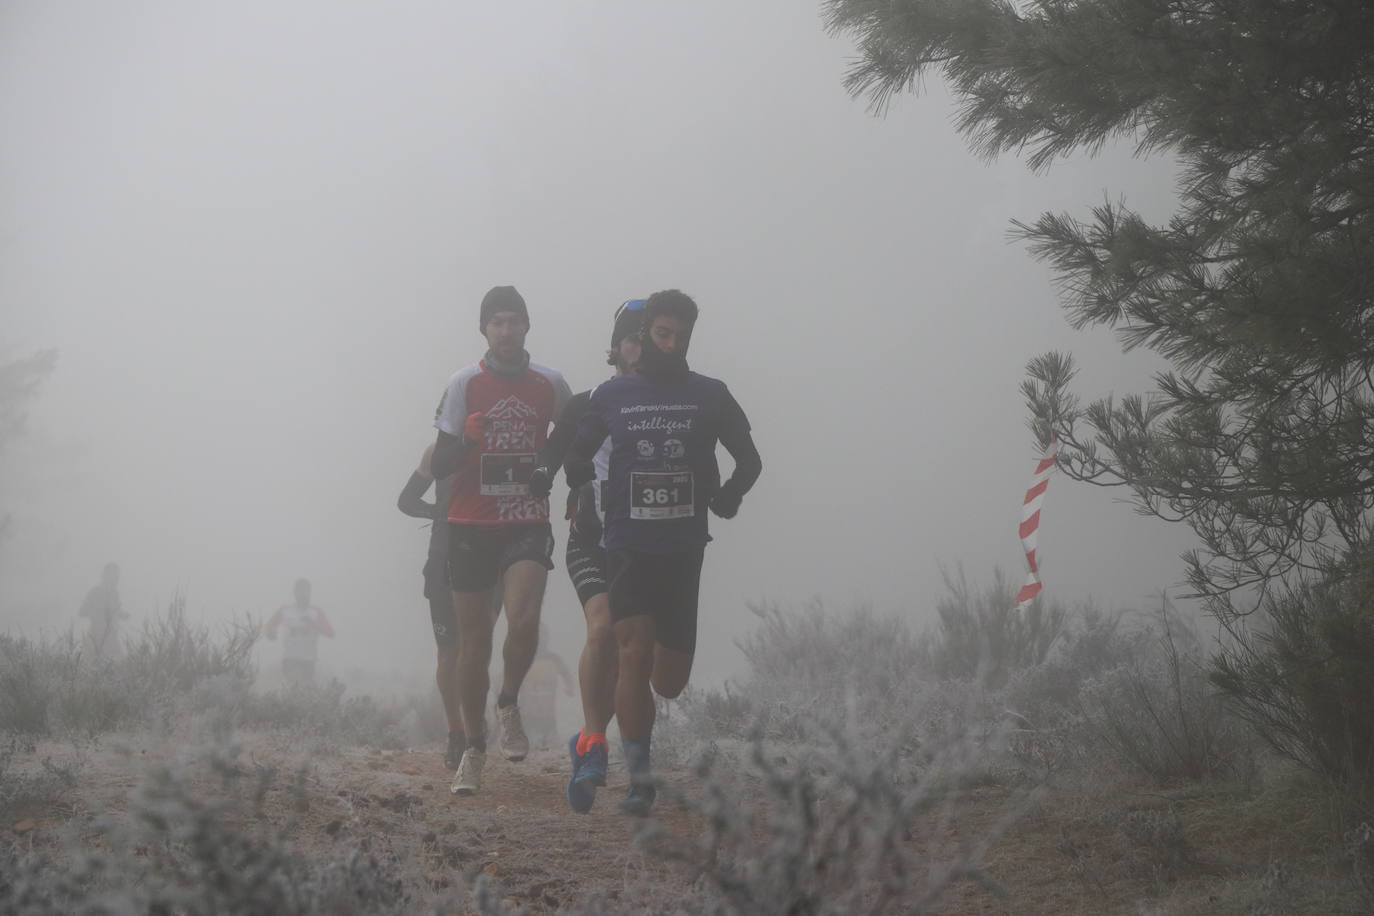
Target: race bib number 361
x=506 y=473
x=661 y=494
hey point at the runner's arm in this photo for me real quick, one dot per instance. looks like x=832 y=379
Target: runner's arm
x=271 y=629
x=739 y=442
x=411 y=500
x=321 y=623
x=556 y=446
x=591 y=432
x=449 y=452
x=748 y=464
x=450 y=446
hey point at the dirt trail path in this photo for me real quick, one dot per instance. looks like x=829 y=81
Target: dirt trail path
x=518 y=829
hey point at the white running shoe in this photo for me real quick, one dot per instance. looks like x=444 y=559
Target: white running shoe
x=514 y=745
x=468 y=779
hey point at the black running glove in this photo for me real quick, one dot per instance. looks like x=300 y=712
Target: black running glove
x=727 y=499
x=541 y=482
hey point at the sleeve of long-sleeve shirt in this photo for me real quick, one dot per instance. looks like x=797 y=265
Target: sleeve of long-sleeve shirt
x=411 y=501
x=591 y=432
x=555 y=447
x=738 y=440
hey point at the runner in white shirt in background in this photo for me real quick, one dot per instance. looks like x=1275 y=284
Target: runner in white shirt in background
x=304 y=624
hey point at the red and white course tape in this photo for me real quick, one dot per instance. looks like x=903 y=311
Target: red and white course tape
x=1030 y=523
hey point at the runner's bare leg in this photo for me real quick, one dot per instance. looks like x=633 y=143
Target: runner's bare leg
x=524 y=595
x=598 y=665
x=634 y=701
x=475 y=625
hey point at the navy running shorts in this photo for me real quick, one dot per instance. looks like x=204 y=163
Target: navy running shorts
x=479 y=554
x=662 y=586
x=443 y=619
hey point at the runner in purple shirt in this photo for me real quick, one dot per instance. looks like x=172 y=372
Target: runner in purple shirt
x=664 y=422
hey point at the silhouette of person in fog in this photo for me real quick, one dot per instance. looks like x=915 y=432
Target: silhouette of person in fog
x=104 y=610
x=541 y=684
x=304 y=624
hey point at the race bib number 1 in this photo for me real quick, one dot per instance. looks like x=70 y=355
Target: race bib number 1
x=506 y=473
x=661 y=494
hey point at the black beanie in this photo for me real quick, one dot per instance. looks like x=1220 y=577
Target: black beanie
x=502 y=299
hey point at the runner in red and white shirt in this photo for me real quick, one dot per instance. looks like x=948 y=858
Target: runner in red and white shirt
x=303 y=624
x=492 y=420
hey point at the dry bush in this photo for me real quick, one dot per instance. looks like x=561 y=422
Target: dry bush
x=1158 y=713
x=28 y=786
x=829 y=826
x=981 y=635
x=1303 y=677
x=50 y=686
x=191 y=849
x=326 y=712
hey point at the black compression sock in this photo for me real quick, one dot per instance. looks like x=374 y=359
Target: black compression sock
x=503 y=700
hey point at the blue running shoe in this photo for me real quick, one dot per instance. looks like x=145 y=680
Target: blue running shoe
x=581 y=791
x=594 y=764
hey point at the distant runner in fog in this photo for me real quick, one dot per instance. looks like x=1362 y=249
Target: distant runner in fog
x=104 y=610
x=663 y=422
x=586 y=562
x=492 y=420
x=540 y=697
x=304 y=624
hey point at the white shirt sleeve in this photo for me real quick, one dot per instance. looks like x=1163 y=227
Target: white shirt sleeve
x=453 y=410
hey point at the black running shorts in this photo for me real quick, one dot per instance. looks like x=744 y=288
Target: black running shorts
x=661 y=586
x=442 y=617
x=586 y=562
x=479 y=554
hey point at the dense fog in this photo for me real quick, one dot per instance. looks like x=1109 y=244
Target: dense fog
x=258 y=234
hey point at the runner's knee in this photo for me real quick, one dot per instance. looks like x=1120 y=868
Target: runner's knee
x=667 y=688
x=447 y=658
x=636 y=656
x=600 y=633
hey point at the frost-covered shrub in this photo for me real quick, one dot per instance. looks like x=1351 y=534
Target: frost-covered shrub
x=1302 y=675
x=809 y=666
x=1158 y=713
x=829 y=826
x=52 y=685
x=185 y=848
x=981 y=635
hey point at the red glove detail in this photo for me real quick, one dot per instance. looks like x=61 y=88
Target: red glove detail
x=475 y=426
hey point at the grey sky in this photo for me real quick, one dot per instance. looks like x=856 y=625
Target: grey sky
x=258 y=234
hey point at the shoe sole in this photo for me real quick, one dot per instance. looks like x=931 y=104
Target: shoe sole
x=463 y=791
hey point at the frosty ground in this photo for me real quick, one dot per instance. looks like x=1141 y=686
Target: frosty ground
x=855 y=768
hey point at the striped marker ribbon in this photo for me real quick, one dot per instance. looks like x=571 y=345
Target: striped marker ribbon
x=1030 y=523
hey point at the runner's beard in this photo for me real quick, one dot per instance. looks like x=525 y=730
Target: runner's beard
x=654 y=363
